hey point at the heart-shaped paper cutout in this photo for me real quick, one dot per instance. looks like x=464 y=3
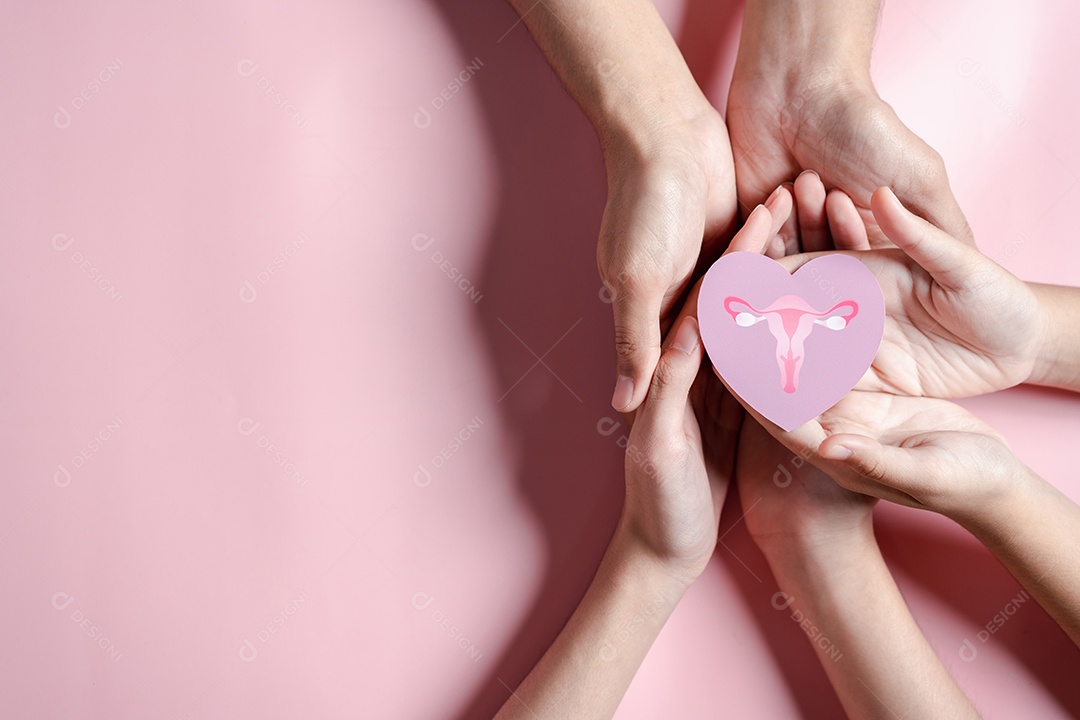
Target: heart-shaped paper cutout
x=790 y=345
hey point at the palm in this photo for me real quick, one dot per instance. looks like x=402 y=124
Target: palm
x=952 y=444
x=940 y=342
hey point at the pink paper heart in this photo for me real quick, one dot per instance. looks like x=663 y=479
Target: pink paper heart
x=790 y=345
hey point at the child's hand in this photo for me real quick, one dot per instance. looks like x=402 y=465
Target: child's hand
x=789 y=502
x=671 y=509
x=957 y=323
x=922 y=452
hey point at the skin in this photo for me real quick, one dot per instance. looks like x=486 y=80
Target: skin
x=929 y=453
x=671 y=176
x=819 y=541
x=801 y=97
x=665 y=536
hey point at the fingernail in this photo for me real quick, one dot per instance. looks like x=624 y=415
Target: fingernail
x=775 y=194
x=837 y=452
x=686 y=337
x=624 y=393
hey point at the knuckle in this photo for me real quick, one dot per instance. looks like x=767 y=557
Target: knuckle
x=629 y=344
x=873 y=469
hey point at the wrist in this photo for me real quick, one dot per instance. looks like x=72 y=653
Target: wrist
x=994 y=512
x=642 y=564
x=812 y=542
x=1042 y=363
x=803 y=560
x=640 y=127
x=1054 y=363
x=798 y=46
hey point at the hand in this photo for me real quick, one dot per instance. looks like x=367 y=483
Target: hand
x=789 y=502
x=802 y=98
x=934 y=341
x=819 y=541
x=793 y=502
x=922 y=452
x=957 y=324
x=675 y=488
x=669 y=202
x=664 y=539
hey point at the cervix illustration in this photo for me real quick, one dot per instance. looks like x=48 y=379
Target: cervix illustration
x=791 y=320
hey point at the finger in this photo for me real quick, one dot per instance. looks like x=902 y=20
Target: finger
x=637 y=343
x=665 y=405
x=789 y=230
x=948 y=260
x=887 y=471
x=775 y=248
x=755 y=233
x=779 y=205
x=845 y=223
x=810 y=204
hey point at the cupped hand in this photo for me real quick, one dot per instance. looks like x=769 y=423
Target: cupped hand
x=957 y=324
x=951 y=329
x=922 y=452
x=671 y=201
x=839 y=127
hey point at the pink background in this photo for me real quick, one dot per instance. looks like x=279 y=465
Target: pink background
x=175 y=567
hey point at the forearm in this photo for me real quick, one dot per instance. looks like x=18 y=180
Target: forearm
x=1034 y=532
x=877 y=659
x=1058 y=361
x=799 y=43
x=586 y=671
x=619 y=62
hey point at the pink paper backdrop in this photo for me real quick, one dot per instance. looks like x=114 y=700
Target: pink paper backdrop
x=302 y=383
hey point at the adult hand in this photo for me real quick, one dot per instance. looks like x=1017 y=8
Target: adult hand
x=670 y=202
x=802 y=98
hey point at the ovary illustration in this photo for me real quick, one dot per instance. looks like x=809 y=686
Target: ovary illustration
x=791 y=319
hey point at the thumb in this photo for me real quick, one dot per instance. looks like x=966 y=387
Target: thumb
x=867 y=466
x=948 y=260
x=664 y=410
x=637 y=343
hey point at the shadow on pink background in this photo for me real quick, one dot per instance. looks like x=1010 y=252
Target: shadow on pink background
x=303 y=390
